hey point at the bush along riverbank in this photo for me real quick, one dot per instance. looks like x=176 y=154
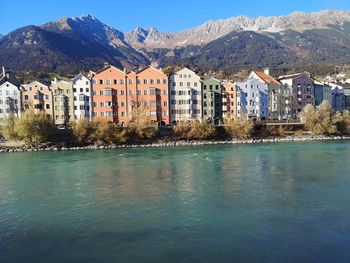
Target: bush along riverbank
x=38 y=133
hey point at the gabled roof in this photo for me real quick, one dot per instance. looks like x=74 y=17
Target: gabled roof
x=151 y=67
x=108 y=67
x=267 y=79
x=78 y=76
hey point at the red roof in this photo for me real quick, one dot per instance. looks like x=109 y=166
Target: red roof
x=266 y=78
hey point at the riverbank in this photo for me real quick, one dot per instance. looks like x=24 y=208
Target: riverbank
x=55 y=148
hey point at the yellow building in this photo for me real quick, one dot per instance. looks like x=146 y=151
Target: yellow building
x=63 y=101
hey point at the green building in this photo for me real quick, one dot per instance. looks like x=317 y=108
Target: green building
x=212 y=100
x=63 y=102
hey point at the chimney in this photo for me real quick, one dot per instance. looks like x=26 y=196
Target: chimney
x=124 y=70
x=3 y=71
x=267 y=71
x=105 y=64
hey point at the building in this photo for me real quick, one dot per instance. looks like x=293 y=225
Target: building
x=346 y=89
x=212 y=100
x=338 y=100
x=185 y=97
x=82 y=97
x=241 y=103
x=322 y=92
x=302 y=86
x=63 y=102
x=152 y=92
x=109 y=95
x=229 y=100
x=37 y=96
x=256 y=96
x=278 y=102
x=117 y=93
x=10 y=95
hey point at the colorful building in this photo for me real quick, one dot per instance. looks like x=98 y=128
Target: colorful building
x=82 y=97
x=117 y=93
x=37 y=96
x=185 y=97
x=212 y=100
x=302 y=91
x=10 y=95
x=63 y=102
x=256 y=96
x=278 y=103
x=322 y=92
x=229 y=100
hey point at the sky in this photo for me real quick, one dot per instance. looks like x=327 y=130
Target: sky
x=167 y=16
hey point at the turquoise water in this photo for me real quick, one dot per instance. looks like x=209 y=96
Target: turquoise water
x=224 y=203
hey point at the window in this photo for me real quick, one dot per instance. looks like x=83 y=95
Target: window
x=101 y=92
x=188 y=84
x=158 y=81
x=131 y=81
x=108 y=82
x=145 y=81
x=122 y=92
x=108 y=92
x=181 y=84
x=164 y=81
x=101 y=81
x=145 y=92
x=152 y=91
x=151 y=81
x=26 y=97
x=130 y=92
x=123 y=104
x=115 y=81
x=122 y=82
x=173 y=92
x=195 y=84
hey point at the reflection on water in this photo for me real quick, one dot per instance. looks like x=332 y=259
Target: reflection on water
x=250 y=203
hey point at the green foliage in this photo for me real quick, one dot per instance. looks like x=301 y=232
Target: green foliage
x=240 y=128
x=34 y=127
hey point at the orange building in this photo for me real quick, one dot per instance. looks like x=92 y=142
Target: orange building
x=37 y=96
x=229 y=100
x=116 y=93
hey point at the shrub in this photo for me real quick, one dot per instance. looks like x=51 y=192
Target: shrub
x=83 y=130
x=34 y=127
x=7 y=129
x=319 y=121
x=202 y=131
x=103 y=131
x=181 y=131
x=239 y=128
x=140 y=124
x=342 y=122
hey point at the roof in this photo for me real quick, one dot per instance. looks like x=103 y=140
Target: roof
x=151 y=67
x=108 y=67
x=293 y=75
x=266 y=78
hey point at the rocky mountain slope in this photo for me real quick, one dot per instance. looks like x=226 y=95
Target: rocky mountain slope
x=69 y=45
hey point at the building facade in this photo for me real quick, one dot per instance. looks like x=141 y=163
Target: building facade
x=152 y=92
x=63 y=102
x=276 y=103
x=37 y=96
x=337 y=94
x=117 y=93
x=82 y=97
x=212 y=100
x=185 y=97
x=256 y=96
x=302 y=91
x=229 y=100
x=10 y=100
x=322 y=92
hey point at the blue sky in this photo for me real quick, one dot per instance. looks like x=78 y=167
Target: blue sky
x=164 y=15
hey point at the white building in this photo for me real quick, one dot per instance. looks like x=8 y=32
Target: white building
x=256 y=94
x=82 y=97
x=10 y=100
x=185 y=96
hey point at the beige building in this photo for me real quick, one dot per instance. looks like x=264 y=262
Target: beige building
x=185 y=96
x=63 y=101
x=37 y=96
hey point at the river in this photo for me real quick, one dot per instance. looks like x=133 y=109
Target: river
x=287 y=202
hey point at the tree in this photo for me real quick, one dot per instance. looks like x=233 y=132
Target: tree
x=240 y=128
x=319 y=121
x=34 y=127
x=140 y=123
x=7 y=129
x=83 y=130
x=202 y=130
